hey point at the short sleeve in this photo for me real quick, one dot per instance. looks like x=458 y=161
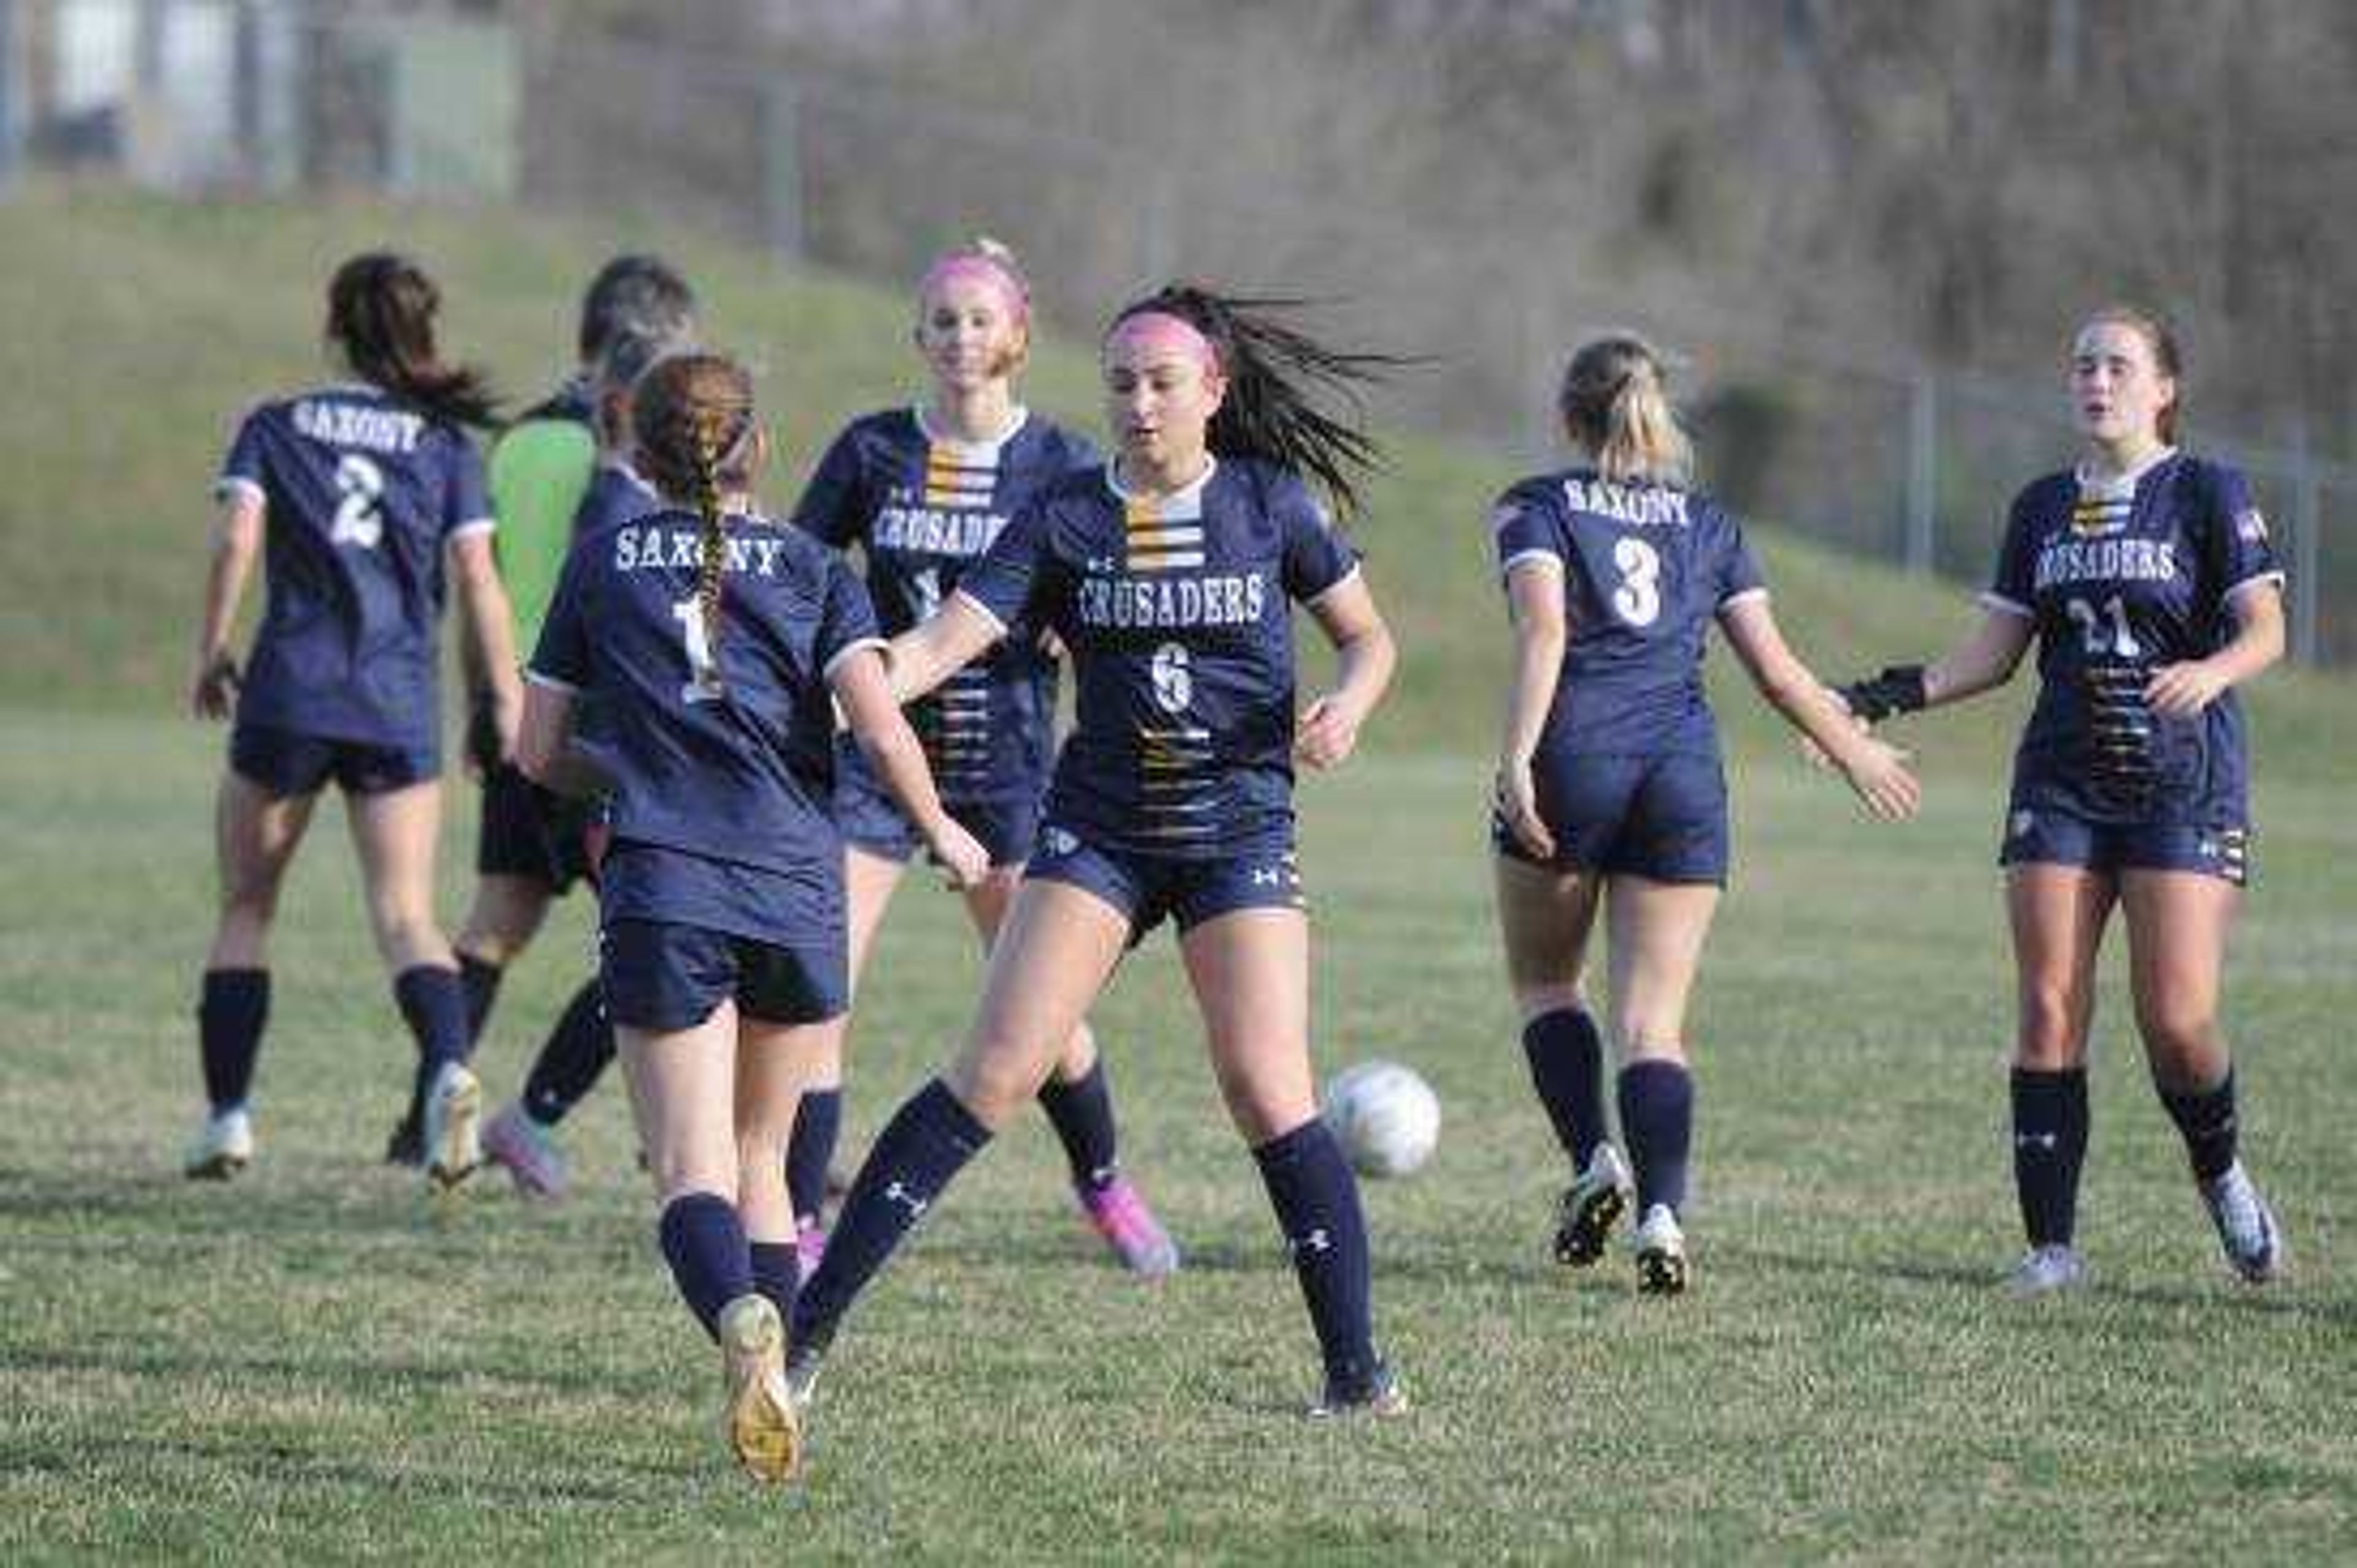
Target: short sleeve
x=1003 y=582
x=1736 y=575
x=241 y=469
x=846 y=622
x=1523 y=528
x=466 y=503
x=2233 y=536
x=2012 y=590
x=834 y=504
x=1316 y=555
x=561 y=659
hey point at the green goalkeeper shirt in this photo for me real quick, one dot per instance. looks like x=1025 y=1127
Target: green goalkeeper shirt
x=539 y=471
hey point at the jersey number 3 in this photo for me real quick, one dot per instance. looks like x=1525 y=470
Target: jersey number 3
x=1638 y=600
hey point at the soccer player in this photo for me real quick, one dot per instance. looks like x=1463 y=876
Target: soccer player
x=2146 y=577
x=715 y=643
x=1609 y=791
x=360 y=495
x=1169 y=573
x=922 y=492
x=552 y=474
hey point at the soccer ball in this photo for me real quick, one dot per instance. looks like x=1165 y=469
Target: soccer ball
x=1386 y=1117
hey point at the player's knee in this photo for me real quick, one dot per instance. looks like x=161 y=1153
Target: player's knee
x=994 y=1078
x=2176 y=1027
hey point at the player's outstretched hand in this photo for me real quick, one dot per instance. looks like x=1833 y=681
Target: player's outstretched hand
x=959 y=853
x=1518 y=807
x=1878 y=772
x=1328 y=731
x=2181 y=691
x=1814 y=754
x=212 y=690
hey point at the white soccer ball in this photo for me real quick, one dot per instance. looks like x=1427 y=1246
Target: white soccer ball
x=1386 y=1117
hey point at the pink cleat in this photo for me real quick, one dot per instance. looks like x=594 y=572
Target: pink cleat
x=529 y=1152
x=809 y=1246
x=1118 y=1212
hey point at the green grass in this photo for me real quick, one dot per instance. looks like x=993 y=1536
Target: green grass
x=307 y=1365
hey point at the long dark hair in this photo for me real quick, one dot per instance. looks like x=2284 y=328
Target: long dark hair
x=691 y=415
x=1277 y=377
x=380 y=308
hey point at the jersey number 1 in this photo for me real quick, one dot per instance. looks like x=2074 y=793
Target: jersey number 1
x=704 y=673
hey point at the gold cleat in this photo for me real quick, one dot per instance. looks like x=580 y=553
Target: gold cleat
x=764 y=1427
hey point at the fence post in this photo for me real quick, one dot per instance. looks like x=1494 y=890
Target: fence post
x=782 y=227
x=1923 y=473
x=2306 y=548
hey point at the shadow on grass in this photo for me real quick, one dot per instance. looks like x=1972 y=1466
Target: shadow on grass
x=77 y=1455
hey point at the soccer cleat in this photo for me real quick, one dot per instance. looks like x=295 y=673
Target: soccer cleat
x=223 y=1146
x=408 y=1145
x=1118 y=1212
x=528 y=1150
x=763 y=1424
x=1661 y=1252
x=802 y=1364
x=454 y=1124
x=2044 y=1270
x=1379 y=1395
x=2246 y=1226
x=1592 y=1204
x=809 y=1246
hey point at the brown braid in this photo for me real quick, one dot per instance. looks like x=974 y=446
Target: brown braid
x=693 y=416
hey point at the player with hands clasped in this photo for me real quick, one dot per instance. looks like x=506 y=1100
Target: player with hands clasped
x=364 y=497
x=716 y=645
x=1169 y=573
x=1609 y=790
x=2146 y=580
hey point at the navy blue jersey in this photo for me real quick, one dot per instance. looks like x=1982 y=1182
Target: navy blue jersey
x=1178 y=612
x=922 y=509
x=736 y=769
x=1646 y=569
x=2119 y=579
x=361 y=494
x=615 y=495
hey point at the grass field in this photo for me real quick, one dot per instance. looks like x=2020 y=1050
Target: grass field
x=309 y=1366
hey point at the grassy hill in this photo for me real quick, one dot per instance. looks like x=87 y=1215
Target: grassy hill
x=141 y=329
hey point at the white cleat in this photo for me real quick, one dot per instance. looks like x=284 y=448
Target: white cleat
x=2246 y=1226
x=2043 y=1271
x=454 y=1127
x=1592 y=1204
x=764 y=1421
x=223 y=1146
x=1661 y=1249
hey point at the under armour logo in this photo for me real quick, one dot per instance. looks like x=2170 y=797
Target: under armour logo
x=1267 y=876
x=2047 y=1141
x=897 y=1193
x=1318 y=1241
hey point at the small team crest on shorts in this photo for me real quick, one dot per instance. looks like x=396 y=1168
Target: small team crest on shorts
x=2250 y=527
x=1056 y=841
x=2020 y=823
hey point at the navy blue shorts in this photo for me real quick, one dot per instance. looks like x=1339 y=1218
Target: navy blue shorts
x=664 y=977
x=1148 y=887
x=871 y=822
x=285 y=763
x=1661 y=817
x=2044 y=836
x=531 y=833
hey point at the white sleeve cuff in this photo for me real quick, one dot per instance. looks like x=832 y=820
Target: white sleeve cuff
x=1349 y=576
x=2257 y=580
x=230 y=485
x=1741 y=596
x=860 y=646
x=538 y=678
x=1535 y=552
x=1993 y=600
x=472 y=525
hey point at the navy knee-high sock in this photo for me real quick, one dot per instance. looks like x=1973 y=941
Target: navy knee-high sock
x=1082 y=1113
x=234 y=1006
x=817 y=1124
x=435 y=1006
x=1567 y=1056
x=2205 y=1119
x=2050 y=1144
x=1317 y=1201
x=927 y=1143
x=704 y=1242
x=1657 y=1118
x=571 y=1059
x=777 y=1273
x=480 y=979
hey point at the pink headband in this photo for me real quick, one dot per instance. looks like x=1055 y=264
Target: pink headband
x=973 y=266
x=1162 y=329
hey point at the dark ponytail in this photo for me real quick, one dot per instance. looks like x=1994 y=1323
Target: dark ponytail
x=380 y=308
x=693 y=418
x=1277 y=377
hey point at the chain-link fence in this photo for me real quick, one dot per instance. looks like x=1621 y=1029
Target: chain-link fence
x=1909 y=462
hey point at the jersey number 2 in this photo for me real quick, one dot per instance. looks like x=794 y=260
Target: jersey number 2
x=362 y=484
x=1638 y=600
x=704 y=675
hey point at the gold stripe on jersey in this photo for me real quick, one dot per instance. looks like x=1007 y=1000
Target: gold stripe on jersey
x=2096 y=512
x=1156 y=538
x=951 y=480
